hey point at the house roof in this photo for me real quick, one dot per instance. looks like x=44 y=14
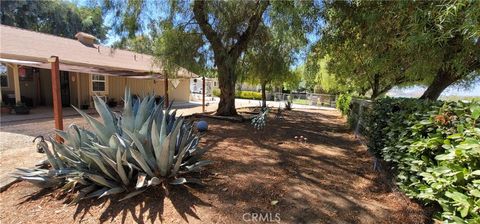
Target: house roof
x=28 y=46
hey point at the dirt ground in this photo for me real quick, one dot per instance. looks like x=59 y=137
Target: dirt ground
x=266 y=176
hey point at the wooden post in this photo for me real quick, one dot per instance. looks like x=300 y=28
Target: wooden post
x=203 y=94
x=57 y=98
x=79 y=96
x=16 y=84
x=166 y=91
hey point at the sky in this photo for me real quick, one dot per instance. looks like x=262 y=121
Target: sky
x=414 y=91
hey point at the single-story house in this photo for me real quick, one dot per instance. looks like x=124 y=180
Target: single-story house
x=86 y=69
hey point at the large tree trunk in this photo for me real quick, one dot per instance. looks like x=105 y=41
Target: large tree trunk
x=226 y=57
x=442 y=80
x=226 y=83
x=264 y=95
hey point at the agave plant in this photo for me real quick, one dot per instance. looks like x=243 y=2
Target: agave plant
x=144 y=146
x=260 y=120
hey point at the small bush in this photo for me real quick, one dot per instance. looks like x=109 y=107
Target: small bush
x=434 y=148
x=248 y=95
x=343 y=103
x=242 y=94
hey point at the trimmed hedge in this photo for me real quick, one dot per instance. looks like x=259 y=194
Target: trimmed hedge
x=242 y=94
x=434 y=149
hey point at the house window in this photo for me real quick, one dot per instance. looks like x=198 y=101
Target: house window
x=3 y=76
x=99 y=83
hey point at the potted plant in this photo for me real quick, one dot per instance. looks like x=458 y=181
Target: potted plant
x=5 y=108
x=111 y=102
x=85 y=105
x=21 y=108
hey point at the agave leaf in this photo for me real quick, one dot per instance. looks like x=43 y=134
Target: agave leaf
x=158 y=140
x=141 y=161
x=184 y=180
x=120 y=170
x=195 y=167
x=173 y=138
x=140 y=116
x=165 y=157
x=96 y=193
x=98 y=128
x=51 y=158
x=56 y=156
x=145 y=155
x=141 y=180
x=154 y=181
x=112 y=191
x=105 y=114
x=133 y=194
x=99 y=161
x=100 y=180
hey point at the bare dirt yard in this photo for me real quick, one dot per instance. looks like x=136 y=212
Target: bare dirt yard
x=266 y=176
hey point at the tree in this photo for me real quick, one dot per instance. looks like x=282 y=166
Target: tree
x=60 y=18
x=225 y=29
x=376 y=45
x=267 y=61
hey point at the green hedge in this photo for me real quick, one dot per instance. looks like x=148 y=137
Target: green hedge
x=343 y=103
x=242 y=94
x=434 y=148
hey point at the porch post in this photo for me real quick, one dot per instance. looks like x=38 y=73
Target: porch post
x=166 y=91
x=79 y=103
x=16 y=84
x=57 y=100
x=203 y=94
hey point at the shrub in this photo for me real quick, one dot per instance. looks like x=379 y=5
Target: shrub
x=145 y=146
x=434 y=148
x=248 y=95
x=343 y=103
x=242 y=94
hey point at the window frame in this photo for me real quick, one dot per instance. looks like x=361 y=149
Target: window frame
x=6 y=75
x=105 y=81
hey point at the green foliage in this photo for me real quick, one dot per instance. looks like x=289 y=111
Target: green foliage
x=434 y=147
x=144 y=146
x=343 y=103
x=375 y=45
x=242 y=94
x=60 y=18
x=248 y=95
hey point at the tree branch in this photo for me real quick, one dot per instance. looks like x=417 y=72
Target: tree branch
x=210 y=34
x=253 y=23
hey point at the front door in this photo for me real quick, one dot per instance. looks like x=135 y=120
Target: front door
x=64 y=89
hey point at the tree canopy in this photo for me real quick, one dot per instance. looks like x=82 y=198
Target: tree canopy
x=376 y=45
x=60 y=18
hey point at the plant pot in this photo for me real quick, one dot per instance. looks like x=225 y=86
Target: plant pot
x=6 y=110
x=84 y=107
x=21 y=110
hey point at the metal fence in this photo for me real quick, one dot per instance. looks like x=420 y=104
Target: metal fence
x=359 y=115
x=312 y=99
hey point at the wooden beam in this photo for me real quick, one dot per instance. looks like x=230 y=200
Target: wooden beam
x=203 y=94
x=16 y=84
x=79 y=97
x=166 y=91
x=57 y=98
